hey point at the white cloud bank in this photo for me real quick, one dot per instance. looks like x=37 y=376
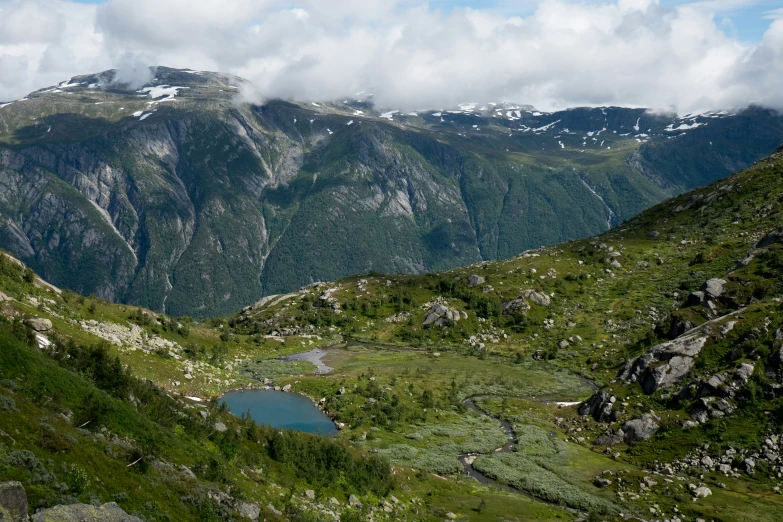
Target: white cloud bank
x=565 y=53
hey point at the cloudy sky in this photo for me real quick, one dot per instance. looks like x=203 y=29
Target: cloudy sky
x=665 y=54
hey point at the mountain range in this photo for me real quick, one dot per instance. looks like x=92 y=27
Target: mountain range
x=179 y=196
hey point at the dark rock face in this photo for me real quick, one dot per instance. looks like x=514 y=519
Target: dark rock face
x=13 y=502
x=599 y=406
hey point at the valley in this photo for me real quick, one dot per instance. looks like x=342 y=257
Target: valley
x=632 y=374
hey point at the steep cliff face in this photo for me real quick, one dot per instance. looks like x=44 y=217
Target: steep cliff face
x=181 y=198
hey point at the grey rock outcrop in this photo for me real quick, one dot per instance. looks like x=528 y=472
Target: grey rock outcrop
x=637 y=430
x=441 y=315
x=776 y=236
x=743 y=374
x=610 y=438
x=13 y=502
x=248 y=511
x=538 y=298
x=707 y=408
x=665 y=364
x=475 y=280
x=515 y=306
x=110 y=512
x=714 y=287
x=39 y=324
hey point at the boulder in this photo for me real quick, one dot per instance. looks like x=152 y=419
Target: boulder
x=248 y=511
x=39 y=324
x=637 y=430
x=440 y=315
x=515 y=306
x=714 y=287
x=310 y=494
x=775 y=363
x=475 y=280
x=601 y=482
x=354 y=501
x=219 y=426
x=4 y=297
x=773 y=391
x=742 y=374
x=110 y=512
x=714 y=387
x=274 y=510
x=702 y=492
x=776 y=236
x=653 y=234
x=610 y=438
x=538 y=298
x=695 y=298
x=665 y=364
x=13 y=502
x=667 y=374
x=599 y=406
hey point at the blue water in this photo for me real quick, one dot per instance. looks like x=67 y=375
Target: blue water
x=280 y=410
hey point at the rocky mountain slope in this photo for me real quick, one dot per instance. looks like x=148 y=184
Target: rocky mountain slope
x=178 y=197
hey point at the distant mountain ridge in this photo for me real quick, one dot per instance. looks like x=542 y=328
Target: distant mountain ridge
x=177 y=197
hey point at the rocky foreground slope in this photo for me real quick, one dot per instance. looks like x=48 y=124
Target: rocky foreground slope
x=179 y=197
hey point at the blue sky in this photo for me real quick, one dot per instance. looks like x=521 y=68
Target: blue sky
x=741 y=19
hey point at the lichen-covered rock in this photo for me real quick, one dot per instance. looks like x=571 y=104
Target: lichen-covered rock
x=13 y=502
x=248 y=511
x=110 y=512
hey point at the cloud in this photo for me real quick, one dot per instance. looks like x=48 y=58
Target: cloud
x=411 y=56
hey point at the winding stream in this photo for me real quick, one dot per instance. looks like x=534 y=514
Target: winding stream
x=467 y=459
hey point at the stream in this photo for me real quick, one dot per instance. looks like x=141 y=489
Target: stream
x=316 y=355
x=467 y=459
